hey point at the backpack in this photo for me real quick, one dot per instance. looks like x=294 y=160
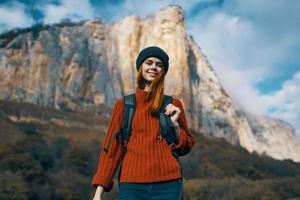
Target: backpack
x=166 y=125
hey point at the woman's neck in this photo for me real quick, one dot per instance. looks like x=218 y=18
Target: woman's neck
x=147 y=87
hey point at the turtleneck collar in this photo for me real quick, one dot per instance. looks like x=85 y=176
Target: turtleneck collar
x=141 y=94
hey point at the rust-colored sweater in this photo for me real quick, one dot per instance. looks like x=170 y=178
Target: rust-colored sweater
x=147 y=159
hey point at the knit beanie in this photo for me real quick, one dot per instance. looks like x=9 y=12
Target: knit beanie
x=153 y=51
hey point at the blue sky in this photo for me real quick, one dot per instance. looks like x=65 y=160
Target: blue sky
x=253 y=45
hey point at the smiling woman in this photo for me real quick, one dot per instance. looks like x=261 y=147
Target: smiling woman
x=149 y=164
x=151 y=67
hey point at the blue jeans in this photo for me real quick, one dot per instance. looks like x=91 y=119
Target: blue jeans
x=164 y=190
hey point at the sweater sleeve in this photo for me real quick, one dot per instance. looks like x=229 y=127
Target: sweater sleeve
x=186 y=139
x=110 y=158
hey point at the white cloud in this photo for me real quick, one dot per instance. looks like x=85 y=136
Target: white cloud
x=245 y=51
x=239 y=43
x=285 y=103
x=144 y=9
x=14 y=15
x=74 y=10
x=228 y=42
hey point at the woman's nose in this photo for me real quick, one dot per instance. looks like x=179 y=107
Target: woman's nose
x=153 y=66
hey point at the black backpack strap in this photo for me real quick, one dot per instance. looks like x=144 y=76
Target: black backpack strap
x=125 y=133
x=129 y=110
x=167 y=128
x=166 y=123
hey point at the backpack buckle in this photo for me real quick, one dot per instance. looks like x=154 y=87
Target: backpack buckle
x=124 y=143
x=172 y=146
x=159 y=138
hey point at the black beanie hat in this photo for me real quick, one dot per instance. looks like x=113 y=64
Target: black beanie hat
x=153 y=51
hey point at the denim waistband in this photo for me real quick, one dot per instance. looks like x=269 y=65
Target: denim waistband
x=169 y=190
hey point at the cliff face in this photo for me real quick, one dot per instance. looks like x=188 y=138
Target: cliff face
x=82 y=66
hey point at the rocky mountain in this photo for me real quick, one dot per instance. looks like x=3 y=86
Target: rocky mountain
x=81 y=66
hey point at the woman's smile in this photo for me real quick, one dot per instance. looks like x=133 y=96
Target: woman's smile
x=152 y=74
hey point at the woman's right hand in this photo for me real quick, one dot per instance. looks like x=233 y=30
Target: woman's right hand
x=99 y=193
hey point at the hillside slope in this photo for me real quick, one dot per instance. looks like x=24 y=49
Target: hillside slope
x=43 y=159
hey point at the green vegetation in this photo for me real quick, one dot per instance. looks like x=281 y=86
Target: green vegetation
x=48 y=161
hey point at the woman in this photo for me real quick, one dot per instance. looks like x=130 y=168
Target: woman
x=149 y=169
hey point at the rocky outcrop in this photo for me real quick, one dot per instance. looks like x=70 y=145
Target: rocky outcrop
x=93 y=63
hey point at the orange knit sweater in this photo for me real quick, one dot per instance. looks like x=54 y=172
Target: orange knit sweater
x=147 y=159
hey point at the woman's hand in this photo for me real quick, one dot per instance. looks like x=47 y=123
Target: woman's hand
x=173 y=112
x=99 y=193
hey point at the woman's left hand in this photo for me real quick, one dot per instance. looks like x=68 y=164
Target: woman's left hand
x=173 y=112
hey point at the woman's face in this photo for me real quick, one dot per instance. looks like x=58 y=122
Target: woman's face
x=151 y=67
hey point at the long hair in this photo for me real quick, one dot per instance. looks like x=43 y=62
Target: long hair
x=156 y=94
